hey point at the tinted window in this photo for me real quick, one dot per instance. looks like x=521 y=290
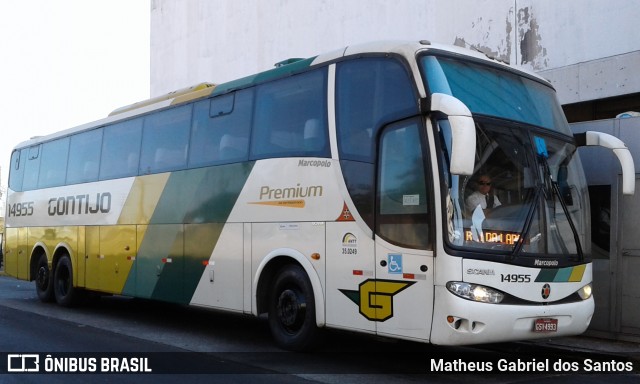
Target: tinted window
x=221 y=105
x=16 y=172
x=290 y=117
x=600 y=202
x=165 y=140
x=370 y=93
x=121 y=149
x=220 y=131
x=32 y=168
x=402 y=194
x=84 y=157
x=360 y=180
x=53 y=166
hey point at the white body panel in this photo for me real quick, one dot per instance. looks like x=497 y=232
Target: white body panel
x=222 y=283
x=98 y=203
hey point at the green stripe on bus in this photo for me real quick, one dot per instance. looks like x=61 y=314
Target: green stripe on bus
x=201 y=195
x=561 y=275
x=546 y=275
x=183 y=231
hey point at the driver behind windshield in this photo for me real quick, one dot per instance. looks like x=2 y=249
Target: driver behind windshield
x=483 y=196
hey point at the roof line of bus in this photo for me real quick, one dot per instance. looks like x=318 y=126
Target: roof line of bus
x=283 y=69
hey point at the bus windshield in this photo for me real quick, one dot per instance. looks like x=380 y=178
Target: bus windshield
x=492 y=91
x=527 y=195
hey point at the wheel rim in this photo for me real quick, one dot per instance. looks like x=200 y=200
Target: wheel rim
x=291 y=310
x=42 y=278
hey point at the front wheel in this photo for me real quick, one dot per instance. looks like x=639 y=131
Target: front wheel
x=66 y=294
x=292 y=310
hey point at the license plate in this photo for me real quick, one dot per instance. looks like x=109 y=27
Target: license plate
x=545 y=325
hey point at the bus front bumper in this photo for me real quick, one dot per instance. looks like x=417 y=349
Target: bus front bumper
x=457 y=321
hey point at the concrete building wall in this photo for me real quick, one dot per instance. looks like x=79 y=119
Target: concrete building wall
x=588 y=48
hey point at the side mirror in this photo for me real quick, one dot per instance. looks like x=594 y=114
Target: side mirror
x=591 y=138
x=463 y=132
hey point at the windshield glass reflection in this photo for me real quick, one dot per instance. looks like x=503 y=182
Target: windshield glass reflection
x=526 y=195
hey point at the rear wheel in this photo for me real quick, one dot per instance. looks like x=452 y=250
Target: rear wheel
x=66 y=294
x=292 y=311
x=44 y=280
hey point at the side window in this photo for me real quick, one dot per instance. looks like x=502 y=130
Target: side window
x=220 y=130
x=53 y=166
x=370 y=92
x=16 y=169
x=121 y=150
x=165 y=140
x=290 y=117
x=403 y=200
x=84 y=157
x=32 y=168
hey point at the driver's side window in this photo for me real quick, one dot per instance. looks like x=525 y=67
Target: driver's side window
x=403 y=214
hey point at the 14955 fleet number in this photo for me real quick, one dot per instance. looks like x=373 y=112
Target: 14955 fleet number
x=21 y=209
x=515 y=278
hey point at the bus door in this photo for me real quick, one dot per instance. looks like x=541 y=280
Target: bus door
x=401 y=301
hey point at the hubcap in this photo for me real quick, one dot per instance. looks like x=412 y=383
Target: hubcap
x=291 y=310
x=42 y=277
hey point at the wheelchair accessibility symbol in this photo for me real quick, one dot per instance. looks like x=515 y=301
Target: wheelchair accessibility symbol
x=394 y=263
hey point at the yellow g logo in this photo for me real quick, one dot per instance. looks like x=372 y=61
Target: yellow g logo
x=375 y=297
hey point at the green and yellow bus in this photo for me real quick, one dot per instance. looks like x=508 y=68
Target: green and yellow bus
x=327 y=192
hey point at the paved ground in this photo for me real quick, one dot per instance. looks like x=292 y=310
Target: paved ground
x=598 y=347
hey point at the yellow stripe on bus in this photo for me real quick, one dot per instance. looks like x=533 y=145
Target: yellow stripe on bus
x=577 y=273
x=143 y=199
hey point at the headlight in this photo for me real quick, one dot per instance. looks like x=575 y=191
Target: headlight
x=585 y=292
x=475 y=292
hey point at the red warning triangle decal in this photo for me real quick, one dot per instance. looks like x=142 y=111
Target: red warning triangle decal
x=346 y=214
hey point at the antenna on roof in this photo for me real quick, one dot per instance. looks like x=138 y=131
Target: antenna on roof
x=287 y=62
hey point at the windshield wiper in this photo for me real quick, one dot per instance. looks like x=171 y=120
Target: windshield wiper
x=527 y=222
x=565 y=208
x=547 y=190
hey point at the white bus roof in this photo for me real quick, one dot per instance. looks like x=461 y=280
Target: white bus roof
x=203 y=90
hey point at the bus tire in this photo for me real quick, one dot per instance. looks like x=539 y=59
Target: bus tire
x=292 y=313
x=66 y=294
x=44 y=280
